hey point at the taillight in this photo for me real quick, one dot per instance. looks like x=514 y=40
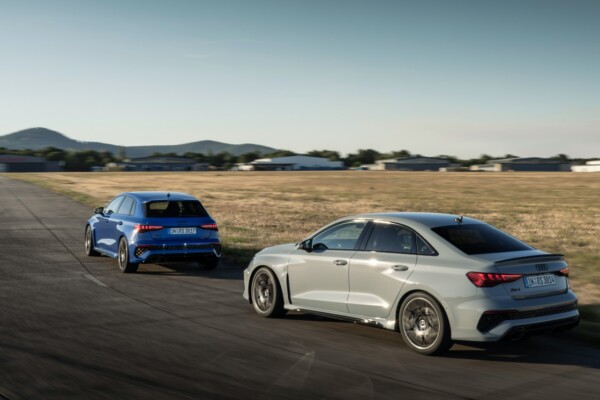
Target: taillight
x=146 y=228
x=482 y=279
x=563 y=272
x=210 y=227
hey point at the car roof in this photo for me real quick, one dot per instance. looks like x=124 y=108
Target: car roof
x=154 y=196
x=424 y=219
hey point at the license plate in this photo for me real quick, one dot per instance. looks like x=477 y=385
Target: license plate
x=182 y=231
x=539 y=280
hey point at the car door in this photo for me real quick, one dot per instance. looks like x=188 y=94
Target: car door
x=318 y=278
x=378 y=272
x=105 y=229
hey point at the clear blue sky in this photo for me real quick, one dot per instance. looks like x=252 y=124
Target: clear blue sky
x=433 y=77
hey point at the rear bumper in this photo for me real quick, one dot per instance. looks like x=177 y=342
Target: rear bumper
x=518 y=332
x=491 y=319
x=167 y=252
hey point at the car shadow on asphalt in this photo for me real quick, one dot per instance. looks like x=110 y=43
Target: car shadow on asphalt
x=223 y=271
x=549 y=349
x=557 y=348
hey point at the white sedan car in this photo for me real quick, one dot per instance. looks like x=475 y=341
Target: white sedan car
x=436 y=278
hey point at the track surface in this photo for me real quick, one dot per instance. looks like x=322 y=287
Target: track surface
x=73 y=327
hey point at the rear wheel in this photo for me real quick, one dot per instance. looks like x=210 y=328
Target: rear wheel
x=267 y=298
x=123 y=258
x=89 y=243
x=424 y=325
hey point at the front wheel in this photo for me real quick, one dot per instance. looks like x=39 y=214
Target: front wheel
x=267 y=298
x=424 y=325
x=89 y=243
x=123 y=258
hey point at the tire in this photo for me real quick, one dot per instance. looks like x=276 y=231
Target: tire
x=266 y=295
x=209 y=263
x=424 y=325
x=89 y=243
x=123 y=258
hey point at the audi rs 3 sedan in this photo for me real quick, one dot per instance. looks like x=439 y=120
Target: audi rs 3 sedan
x=150 y=227
x=435 y=278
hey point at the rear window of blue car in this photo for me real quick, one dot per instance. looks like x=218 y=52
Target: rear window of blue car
x=175 y=209
x=480 y=239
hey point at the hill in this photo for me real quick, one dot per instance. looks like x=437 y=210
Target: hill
x=41 y=138
x=203 y=146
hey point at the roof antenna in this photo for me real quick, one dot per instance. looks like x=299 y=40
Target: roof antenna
x=458 y=219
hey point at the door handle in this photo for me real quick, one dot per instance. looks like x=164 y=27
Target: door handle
x=340 y=262
x=399 y=267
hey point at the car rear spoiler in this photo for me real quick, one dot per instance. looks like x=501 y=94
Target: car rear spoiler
x=537 y=258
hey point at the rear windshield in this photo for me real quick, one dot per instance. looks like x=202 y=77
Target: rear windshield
x=174 y=209
x=480 y=239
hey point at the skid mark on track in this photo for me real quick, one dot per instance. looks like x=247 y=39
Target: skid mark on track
x=95 y=280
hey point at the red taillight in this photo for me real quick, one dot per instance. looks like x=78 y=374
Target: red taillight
x=563 y=272
x=210 y=227
x=146 y=228
x=482 y=279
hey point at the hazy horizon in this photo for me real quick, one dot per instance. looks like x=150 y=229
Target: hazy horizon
x=342 y=154
x=460 y=78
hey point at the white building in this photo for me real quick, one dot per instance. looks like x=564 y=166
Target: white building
x=590 y=166
x=523 y=164
x=410 y=164
x=291 y=163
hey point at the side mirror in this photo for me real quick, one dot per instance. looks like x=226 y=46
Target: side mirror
x=306 y=245
x=98 y=210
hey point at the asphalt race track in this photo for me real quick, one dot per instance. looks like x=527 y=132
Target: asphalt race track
x=74 y=327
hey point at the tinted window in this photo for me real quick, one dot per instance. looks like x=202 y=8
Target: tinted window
x=424 y=249
x=175 y=208
x=340 y=237
x=391 y=238
x=126 y=206
x=113 y=206
x=480 y=239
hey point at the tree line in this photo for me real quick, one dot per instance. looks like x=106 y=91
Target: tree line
x=84 y=160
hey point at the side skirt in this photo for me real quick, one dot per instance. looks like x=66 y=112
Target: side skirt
x=106 y=253
x=377 y=322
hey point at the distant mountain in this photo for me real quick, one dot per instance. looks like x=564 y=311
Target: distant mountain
x=203 y=146
x=40 y=138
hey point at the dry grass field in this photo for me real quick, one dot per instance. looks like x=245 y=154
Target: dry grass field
x=556 y=212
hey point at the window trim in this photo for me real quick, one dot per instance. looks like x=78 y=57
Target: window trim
x=106 y=211
x=371 y=228
x=435 y=252
x=359 y=241
x=130 y=208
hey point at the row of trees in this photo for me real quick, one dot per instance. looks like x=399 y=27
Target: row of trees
x=86 y=159
x=71 y=160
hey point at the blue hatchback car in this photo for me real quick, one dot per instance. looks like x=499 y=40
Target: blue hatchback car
x=150 y=227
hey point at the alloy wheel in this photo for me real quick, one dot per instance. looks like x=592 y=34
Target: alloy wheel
x=421 y=323
x=264 y=291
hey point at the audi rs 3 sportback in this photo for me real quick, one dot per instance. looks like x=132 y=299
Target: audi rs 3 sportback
x=435 y=278
x=150 y=227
